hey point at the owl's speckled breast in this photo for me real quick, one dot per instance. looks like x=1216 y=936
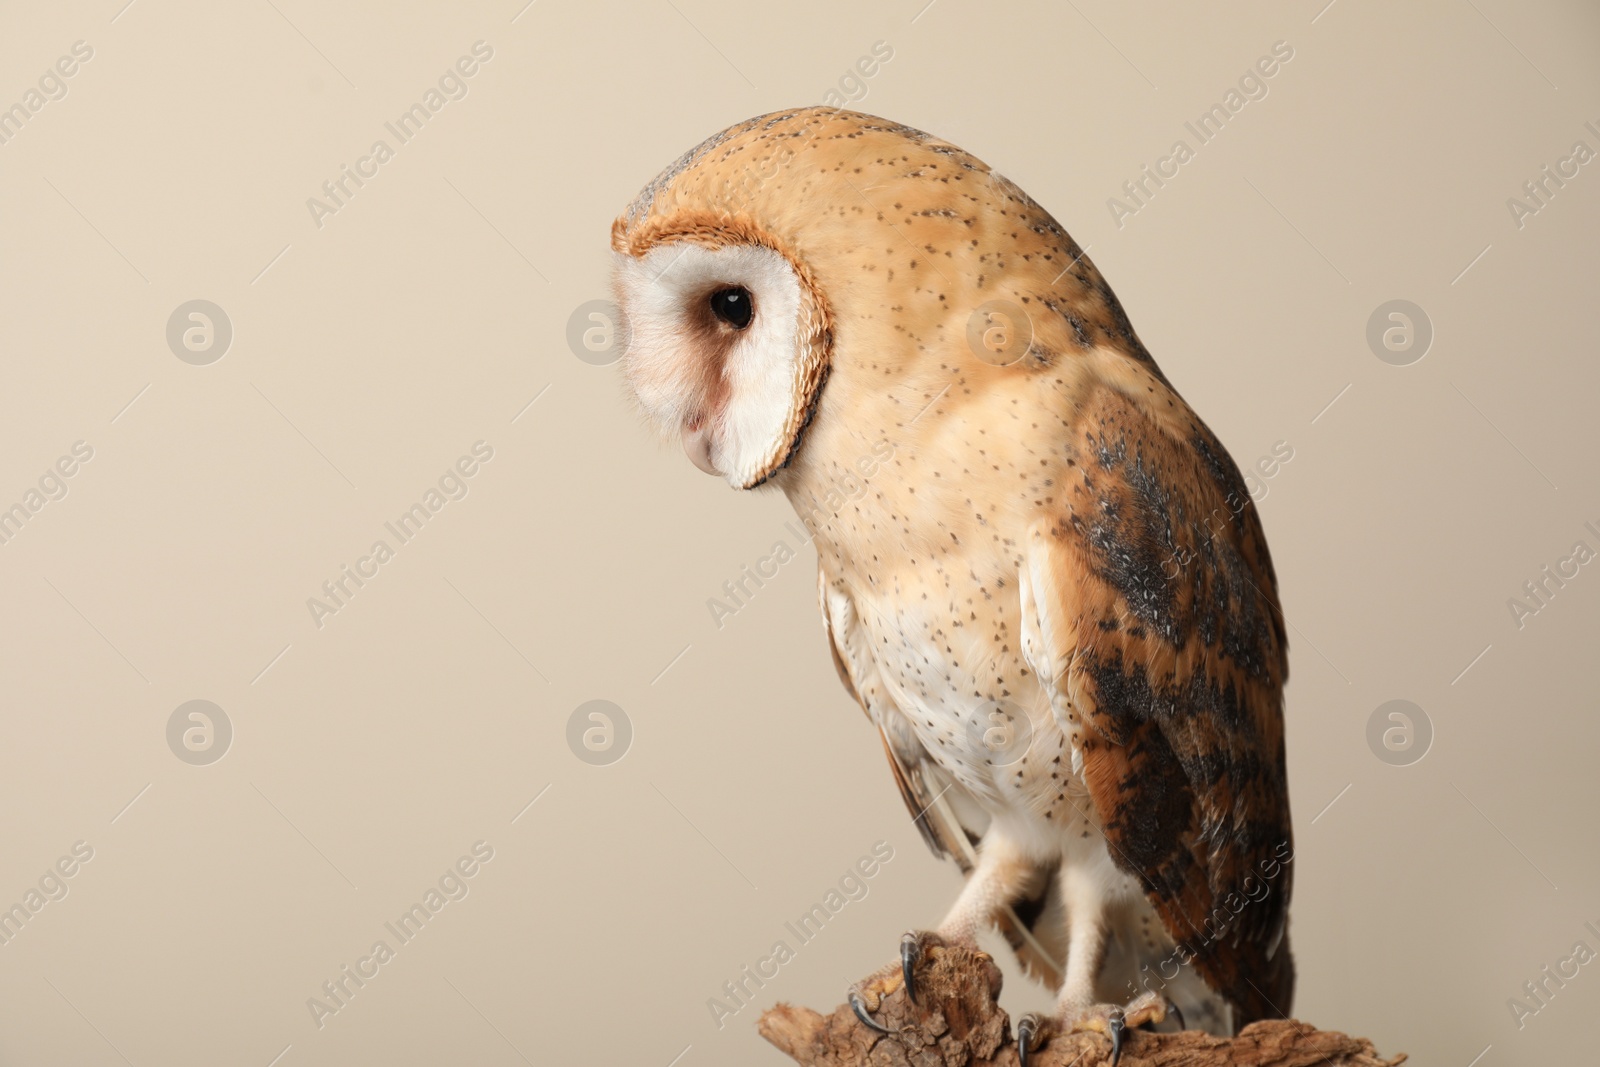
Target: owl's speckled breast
x=945 y=648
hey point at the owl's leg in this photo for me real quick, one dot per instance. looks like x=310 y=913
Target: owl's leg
x=1084 y=888
x=1004 y=875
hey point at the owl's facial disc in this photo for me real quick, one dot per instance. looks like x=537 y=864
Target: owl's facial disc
x=717 y=354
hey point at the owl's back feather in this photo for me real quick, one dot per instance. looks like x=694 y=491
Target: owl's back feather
x=1160 y=596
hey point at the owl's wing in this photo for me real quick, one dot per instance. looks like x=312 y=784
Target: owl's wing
x=1154 y=620
x=950 y=821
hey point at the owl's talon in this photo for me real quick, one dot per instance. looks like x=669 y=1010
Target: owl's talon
x=1117 y=1021
x=1030 y=1036
x=859 y=1006
x=1119 y=1030
x=1177 y=1015
x=910 y=953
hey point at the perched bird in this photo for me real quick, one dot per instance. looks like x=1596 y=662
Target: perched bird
x=1041 y=574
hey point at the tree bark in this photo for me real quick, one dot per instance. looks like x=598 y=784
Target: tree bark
x=959 y=1023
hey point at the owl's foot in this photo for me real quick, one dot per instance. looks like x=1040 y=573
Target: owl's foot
x=1112 y=1020
x=913 y=946
x=859 y=1006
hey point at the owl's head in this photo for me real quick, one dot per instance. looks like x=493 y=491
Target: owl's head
x=823 y=249
x=729 y=345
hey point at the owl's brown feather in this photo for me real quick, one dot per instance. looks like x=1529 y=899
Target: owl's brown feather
x=1169 y=632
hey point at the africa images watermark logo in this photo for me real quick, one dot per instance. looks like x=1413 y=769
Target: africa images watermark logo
x=453 y=885
x=1219 y=520
x=51 y=886
x=1540 y=590
x=1539 y=191
x=848 y=487
x=337 y=192
x=1540 y=991
x=452 y=485
x=199 y=332
x=599 y=732
x=852 y=886
x=52 y=86
x=1254 y=889
x=199 y=732
x=1252 y=85
x=52 y=485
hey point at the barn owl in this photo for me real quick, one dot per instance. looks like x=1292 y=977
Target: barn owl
x=1040 y=574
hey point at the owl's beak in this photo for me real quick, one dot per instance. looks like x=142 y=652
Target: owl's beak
x=697 y=444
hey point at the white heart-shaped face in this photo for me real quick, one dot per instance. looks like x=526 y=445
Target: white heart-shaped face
x=733 y=391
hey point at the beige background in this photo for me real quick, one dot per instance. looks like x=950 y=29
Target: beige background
x=370 y=353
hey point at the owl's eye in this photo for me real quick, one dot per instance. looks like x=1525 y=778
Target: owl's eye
x=732 y=306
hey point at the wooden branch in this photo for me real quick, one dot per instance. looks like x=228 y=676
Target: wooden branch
x=958 y=1023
